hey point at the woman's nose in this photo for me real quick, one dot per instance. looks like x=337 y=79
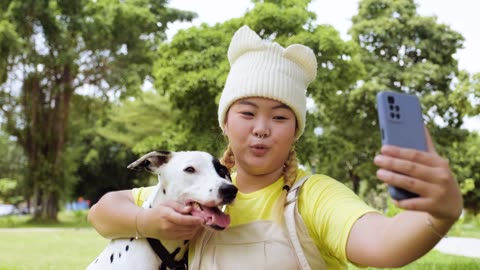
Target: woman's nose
x=261 y=129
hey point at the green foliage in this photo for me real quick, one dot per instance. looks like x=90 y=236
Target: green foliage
x=192 y=84
x=67 y=219
x=376 y=196
x=194 y=81
x=467 y=226
x=59 y=47
x=9 y=43
x=143 y=124
x=12 y=165
x=100 y=164
x=466 y=96
x=401 y=51
x=13 y=159
x=465 y=163
x=406 y=52
x=467 y=185
x=80 y=217
x=392 y=210
x=9 y=192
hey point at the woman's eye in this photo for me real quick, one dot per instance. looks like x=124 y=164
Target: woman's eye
x=247 y=113
x=280 y=118
x=189 y=170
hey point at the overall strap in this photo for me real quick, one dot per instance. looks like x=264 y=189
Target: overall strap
x=289 y=215
x=168 y=260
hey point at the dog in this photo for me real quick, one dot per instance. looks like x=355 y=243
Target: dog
x=192 y=178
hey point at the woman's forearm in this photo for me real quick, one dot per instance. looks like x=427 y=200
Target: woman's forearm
x=379 y=241
x=409 y=235
x=113 y=216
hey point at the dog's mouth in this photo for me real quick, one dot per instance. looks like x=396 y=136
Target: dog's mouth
x=214 y=216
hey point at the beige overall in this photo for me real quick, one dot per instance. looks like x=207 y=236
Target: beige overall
x=261 y=244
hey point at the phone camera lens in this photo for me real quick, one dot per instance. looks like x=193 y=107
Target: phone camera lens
x=391 y=99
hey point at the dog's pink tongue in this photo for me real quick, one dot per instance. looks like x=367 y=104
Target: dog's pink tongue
x=213 y=216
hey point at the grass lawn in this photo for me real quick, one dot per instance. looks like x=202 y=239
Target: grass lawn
x=435 y=260
x=49 y=248
x=69 y=248
x=72 y=244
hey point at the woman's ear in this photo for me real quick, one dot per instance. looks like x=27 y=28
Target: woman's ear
x=225 y=129
x=225 y=124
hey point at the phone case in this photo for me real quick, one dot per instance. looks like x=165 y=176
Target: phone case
x=401 y=124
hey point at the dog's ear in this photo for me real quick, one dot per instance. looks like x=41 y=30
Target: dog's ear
x=151 y=161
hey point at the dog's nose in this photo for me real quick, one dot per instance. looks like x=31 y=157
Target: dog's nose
x=227 y=192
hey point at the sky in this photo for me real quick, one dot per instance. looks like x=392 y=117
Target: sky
x=461 y=15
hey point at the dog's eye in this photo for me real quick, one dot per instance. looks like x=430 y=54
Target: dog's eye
x=189 y=170
x=223 y=173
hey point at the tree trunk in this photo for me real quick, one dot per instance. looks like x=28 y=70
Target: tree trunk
x=30 y=136
x=46 y=113
x=355 y=181
x=354 y=177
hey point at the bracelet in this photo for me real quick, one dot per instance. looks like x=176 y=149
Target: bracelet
x=435 y=231
x=137 y=233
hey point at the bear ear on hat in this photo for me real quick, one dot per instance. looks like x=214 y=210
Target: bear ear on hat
x=304 y=57
x=244 y=39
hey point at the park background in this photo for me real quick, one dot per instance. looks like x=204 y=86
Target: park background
x=88 y=86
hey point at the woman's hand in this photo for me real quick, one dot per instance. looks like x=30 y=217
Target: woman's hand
x=424 y=173
x=376 y=240
x=168 y=221
x=116 y=215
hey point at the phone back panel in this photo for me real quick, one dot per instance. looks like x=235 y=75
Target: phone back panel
x=401 y=124
x=401 y=121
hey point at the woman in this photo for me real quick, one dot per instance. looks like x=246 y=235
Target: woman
x=262 y=114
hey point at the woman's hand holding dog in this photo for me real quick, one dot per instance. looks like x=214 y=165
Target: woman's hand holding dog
x=169 y=221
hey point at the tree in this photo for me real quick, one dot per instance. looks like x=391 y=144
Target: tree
x=11 y=167
x=465 y=162
x=409 y=53
x=144 y=124
x=402 y=51
x=52 y=49
x=194 y=81
x=95 y=165
x=12 y=161
x=466 y=96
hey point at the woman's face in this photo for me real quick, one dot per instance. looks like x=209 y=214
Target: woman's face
x=251 y=118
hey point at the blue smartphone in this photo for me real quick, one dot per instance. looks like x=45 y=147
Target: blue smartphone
x=401 y=124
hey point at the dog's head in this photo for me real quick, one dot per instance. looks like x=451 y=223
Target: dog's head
x=195 y=178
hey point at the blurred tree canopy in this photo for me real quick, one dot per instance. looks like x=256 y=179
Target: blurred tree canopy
x=75 y=70
x=465 y=162
x=99 y=164
x=403 y=51
x=144 y=124
x=54 y=48
x=11 y=168
x=194 y=81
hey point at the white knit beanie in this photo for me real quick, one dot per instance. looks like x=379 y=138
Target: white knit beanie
x=260 y=68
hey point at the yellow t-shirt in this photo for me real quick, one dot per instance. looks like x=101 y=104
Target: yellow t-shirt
x=328 y=208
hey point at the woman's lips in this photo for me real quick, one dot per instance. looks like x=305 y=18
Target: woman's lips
x=259 y=149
